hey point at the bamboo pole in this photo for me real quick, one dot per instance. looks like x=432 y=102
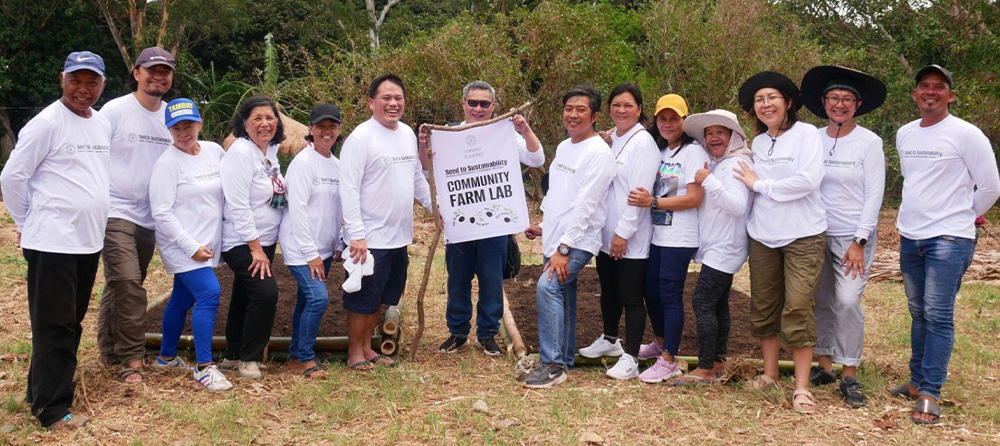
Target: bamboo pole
x=275 y=344
x=438 y=225
x=391 y=323
x=516 y=342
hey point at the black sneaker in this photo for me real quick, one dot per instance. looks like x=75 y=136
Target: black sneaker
x=545 y=377
x=489 y=346
x=454 y=344
x=818 y=376
x=850 y=388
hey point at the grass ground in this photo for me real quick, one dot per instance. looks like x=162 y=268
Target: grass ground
x=430 y=401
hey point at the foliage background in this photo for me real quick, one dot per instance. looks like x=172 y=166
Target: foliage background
x=324 y=50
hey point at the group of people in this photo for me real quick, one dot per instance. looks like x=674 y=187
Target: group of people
x=801 y=202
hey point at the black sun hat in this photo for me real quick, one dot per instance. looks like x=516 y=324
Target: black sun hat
x=819 y=80
x=768 y=79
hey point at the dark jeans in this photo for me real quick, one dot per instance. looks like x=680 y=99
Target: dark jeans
x=251 y=308
x=711 y=315
x=483 y=259
x=59 y=287
x=621 y=290
x=664 y=292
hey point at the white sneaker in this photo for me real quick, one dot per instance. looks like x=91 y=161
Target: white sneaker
x=229 y=364
x=601 y=347
x=176 y=364
x=249 y=369
x=626 y=368
x=212 y=378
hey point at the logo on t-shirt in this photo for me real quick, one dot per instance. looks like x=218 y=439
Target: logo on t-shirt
x=70 y=148
x=667 y=181
x=137 y=137
x=934 y=153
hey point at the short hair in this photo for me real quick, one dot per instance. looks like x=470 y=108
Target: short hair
x=388 y=77
x=791 y=117
x=238 y=124
x=632 y=89
x=589 y=92
x=478 y=85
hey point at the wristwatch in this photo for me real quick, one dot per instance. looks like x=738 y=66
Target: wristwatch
x=563 y=249
x=653 y=205
x=861 y=241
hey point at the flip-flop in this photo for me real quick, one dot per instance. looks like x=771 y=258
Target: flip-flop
x=379 y=358
x=762 y=383
x=691 y=380
x=901 y=391
x=308 y=373
x=362 y=366
x=929 y=407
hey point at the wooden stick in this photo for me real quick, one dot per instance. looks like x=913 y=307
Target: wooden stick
x=438 y=225
x=517 y=343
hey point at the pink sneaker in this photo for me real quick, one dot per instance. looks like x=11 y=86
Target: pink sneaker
x=651 y=350
x=659 y=372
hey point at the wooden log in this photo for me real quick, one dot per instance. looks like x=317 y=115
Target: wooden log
x=276 y=343
x=516 y=342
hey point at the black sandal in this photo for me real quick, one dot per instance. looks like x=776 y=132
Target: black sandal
x=929 y=407
x=377 y=360
x=309 y=372
x=901 y=391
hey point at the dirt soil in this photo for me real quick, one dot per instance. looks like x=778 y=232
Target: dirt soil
x=334 y=320
x=521 y=294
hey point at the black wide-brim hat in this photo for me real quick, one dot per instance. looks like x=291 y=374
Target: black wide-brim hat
x=768 y=79
x=818 y=80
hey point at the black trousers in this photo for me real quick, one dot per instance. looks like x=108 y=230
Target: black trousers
x=711 y=313
x=59 y=288
x=621 y=290
x=251 y=307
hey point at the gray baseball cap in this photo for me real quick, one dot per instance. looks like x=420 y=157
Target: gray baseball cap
x=935 y=68
x=155 y=56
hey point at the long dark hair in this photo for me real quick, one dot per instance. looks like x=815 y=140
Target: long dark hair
x=238 y=125
x=632 y=89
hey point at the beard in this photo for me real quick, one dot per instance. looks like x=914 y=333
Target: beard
x=155 y=93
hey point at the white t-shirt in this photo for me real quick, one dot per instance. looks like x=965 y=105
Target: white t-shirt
x=185 y=194
x=722 y=218
x=787 y=205
x=853 y=182
x=249 y=180
x=575 y=206
x=55 y=183
x=940 y=165
x=139 y=138
x=636 y=157
x=311 y=228
x=380 y=175
x=677 y=229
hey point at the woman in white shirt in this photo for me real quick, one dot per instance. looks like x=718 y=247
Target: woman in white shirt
x=787 y=229
x=674 y=208
x=255 y=203
x=186 y=199
x=310 y=233
x=852 y=190
x=722 y=233
x=621 y=262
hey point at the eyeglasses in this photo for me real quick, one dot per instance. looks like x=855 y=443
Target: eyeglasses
x=473 y=103
x=770 y=99
x=846 y=100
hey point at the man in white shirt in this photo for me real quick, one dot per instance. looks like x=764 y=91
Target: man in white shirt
x=139 y=138
x=55 y=186
x=949 y=177
x=380 y=177
x=484 y=258
x=575 y=211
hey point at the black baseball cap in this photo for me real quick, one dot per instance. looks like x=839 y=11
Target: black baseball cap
x=935 y=68
x=324 y=111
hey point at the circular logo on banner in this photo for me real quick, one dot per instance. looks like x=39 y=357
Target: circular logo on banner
x=132 y=138
x=470 y=140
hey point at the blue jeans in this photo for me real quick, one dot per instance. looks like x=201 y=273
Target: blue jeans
x=311 y=301
x=199 y=289
x=666 y=273
x=557 y=312
x=932 y=274
x=484 y=259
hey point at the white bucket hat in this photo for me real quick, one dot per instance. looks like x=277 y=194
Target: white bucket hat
x=696 y=124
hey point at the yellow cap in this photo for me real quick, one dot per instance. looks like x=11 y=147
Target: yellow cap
x=673 y=102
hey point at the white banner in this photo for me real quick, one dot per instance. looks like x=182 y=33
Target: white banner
x=477 y=174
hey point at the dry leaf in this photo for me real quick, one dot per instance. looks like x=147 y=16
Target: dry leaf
x=502 y=424
x=591 y=438
x=480 y=406
x=888 y=421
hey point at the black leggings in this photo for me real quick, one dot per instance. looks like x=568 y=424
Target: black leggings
x=711 y=313
x=251 y=307
x=621 y=290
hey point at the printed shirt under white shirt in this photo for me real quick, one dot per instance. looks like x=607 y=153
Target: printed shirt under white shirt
x=139 y=138
x=787 y=205
x=677 y=229
x=55 y=183
x=311 y=227
x=249 y=179
x=722 y=218
x=853 y=182
x=940 y=165
x=185 y=194
x=380 y=175
x=575 y=207
x=636 y=158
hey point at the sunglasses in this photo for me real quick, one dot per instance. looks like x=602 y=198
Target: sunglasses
x=481 y=104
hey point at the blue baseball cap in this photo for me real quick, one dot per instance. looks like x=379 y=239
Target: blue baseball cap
x=84 y=60
x=181 y=109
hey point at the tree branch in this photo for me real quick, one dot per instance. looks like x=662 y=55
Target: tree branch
x=115 y=33
x=385 y=10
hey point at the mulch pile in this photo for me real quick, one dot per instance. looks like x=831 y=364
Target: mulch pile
x=334 y=320
x=521 y=295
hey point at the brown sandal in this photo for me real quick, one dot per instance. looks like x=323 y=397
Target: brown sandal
x=126 y=372
x=801 y=406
